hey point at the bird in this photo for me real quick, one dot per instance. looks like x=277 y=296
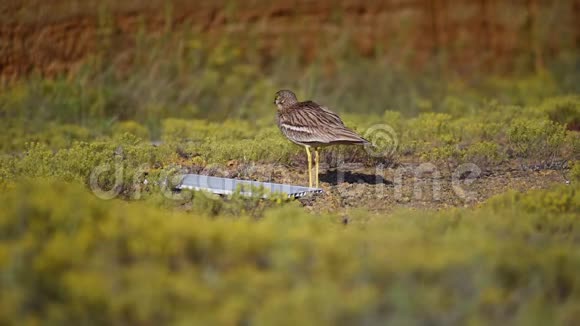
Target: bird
x=313 y=126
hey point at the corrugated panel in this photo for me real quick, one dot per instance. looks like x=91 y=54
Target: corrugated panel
x=227 y=186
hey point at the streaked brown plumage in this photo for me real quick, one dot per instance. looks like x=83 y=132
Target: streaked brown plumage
x=312 y=125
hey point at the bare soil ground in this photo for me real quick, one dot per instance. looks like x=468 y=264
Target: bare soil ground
x=426 y=191
x=414 y=186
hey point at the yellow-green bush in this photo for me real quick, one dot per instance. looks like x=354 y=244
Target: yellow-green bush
x=123 y=163
x=444 y=153
x=13 y=139
x=199 y=130
x=67 y=257
x=575 y=171
x=438 y=137
x=538 y=141
x=525 y=90
x=131 y=127
x=484 y=154
x=564 y=109
x=432 y=128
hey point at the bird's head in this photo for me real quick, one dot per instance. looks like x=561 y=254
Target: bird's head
x=285 y=98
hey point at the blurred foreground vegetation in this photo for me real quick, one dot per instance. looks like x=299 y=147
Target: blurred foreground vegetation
x=70 y=258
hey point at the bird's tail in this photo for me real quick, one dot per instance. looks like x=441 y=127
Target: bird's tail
x=347 y=136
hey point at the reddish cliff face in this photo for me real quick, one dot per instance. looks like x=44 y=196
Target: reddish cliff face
x=481 y=35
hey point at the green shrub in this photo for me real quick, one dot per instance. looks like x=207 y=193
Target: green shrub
x=543 y=204
x=431 y=127
x=474 y=129
x=53 y=135
x=575 y=171
x=131 y=127
x=199 y=130
x=446 y=153
x=486 y=155
x=429 y=132
x=483 y=154
x=564 y=110
x=530 y=90
x=456 y=106
x=121 y=164
x=537 y=141
x=572 y=145
x=265 y=146
x=68 y=257
x=7 y=164
x=393 y=119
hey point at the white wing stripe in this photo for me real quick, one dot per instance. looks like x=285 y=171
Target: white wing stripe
x=296 y=128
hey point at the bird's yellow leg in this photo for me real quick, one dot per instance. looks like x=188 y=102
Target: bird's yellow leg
x=309 y=166
x=316 y=164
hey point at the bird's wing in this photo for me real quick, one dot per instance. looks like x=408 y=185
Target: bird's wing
x=312 y=123
x=324 y=111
